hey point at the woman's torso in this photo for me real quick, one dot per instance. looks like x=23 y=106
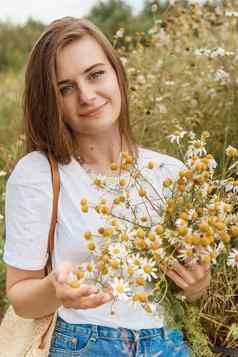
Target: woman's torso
x=70 y=245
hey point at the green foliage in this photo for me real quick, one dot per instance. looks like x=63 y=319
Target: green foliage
x=16 y=42
x=185 y=316
x=10 y=106
x=111 y=15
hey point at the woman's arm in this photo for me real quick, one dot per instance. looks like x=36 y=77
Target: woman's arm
x=33 y=296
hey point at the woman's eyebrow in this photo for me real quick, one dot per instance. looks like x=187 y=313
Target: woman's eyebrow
x=86 y=71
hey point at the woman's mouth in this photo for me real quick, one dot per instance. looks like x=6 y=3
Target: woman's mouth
x=93 y=112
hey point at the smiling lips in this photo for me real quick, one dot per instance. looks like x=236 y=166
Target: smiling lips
x=93 y=112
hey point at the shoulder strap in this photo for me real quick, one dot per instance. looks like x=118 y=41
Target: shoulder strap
x=56 y=190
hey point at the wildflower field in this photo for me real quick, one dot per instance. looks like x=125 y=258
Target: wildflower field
x=183 y=88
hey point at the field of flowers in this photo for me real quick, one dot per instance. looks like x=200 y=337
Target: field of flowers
x=182 y=77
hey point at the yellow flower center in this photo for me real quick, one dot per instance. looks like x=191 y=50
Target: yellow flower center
x=91 y=246
x=89 y=268
x=115 y=264
x=147 y=269
x=140 y=281
x=120 y=289
x=80 y=274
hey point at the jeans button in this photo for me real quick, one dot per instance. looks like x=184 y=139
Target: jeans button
x=74 y=340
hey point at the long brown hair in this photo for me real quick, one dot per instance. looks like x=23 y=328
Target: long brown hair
x=44 y=126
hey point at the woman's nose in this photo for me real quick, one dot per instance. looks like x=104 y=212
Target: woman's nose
x=86 y=93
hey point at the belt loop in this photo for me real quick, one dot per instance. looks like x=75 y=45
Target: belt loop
x=164 y=333
x=94 y=335
x=136 y=335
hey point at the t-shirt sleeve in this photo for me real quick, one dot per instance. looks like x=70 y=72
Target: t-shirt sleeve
x=28 y=213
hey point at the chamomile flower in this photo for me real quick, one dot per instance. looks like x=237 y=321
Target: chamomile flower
x=117 y=250
x=120 y=33
x=186 y=253
x=232 y=259
x=197 y=147
x=89 y=268
x=161 y=253
x=172 y=237
x=175 y=138
x=120 y=288
x=148 y=269
x=221 y=76
x=231 y=185
x=134 y=261
x=212 y=164
x=231 y=14
x=73 y=281
x=2 y=173
x=231 y=151
x=209 y=254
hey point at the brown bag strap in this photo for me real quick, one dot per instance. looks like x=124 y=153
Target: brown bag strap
x=56 y=190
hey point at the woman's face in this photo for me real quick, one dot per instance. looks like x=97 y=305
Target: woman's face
x=91 y=97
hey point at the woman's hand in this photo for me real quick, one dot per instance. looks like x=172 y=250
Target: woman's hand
x=193 y=279
x=83 y=297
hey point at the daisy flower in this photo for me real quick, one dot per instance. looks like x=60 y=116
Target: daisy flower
x=232 y=259
x=73 y=281
x=172 y=237
x=215 y=252
x=212 y=164
x=160 y=253
x=231 y=151
x=134 y=262
x=175 y=138
x=148 y=269
x=186 y=253
x=117 y=250
x=232 y=186
x=89 y=268
x=3 y=173
x=120 y=288
x=197 y=147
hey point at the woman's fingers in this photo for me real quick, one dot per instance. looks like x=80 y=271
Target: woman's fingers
x=194 y=279
x=177 y=279
x=185 y=274
x=60 y=274
x=82 y=291
x=86 y=301
x=82 y=297
x=95 y=300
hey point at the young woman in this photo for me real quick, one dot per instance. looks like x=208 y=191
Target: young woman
x=76 y=108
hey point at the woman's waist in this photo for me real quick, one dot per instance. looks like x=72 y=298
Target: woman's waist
x=107 y=332
x=123 y=316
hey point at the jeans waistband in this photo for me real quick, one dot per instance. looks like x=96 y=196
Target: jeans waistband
x=107 y=332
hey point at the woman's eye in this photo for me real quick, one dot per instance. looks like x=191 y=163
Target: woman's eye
x=97 y=75
x=67 y=89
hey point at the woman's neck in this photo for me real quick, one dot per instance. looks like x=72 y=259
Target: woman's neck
x=98 y=152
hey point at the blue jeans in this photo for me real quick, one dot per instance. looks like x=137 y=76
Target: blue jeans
x=85 y=340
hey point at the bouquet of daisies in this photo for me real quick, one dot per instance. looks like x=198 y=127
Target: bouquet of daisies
x=190 y=218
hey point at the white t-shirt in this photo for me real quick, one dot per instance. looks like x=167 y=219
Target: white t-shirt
x=28 y=214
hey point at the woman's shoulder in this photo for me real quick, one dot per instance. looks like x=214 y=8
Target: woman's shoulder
x=32 y=168
x=161 y=159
